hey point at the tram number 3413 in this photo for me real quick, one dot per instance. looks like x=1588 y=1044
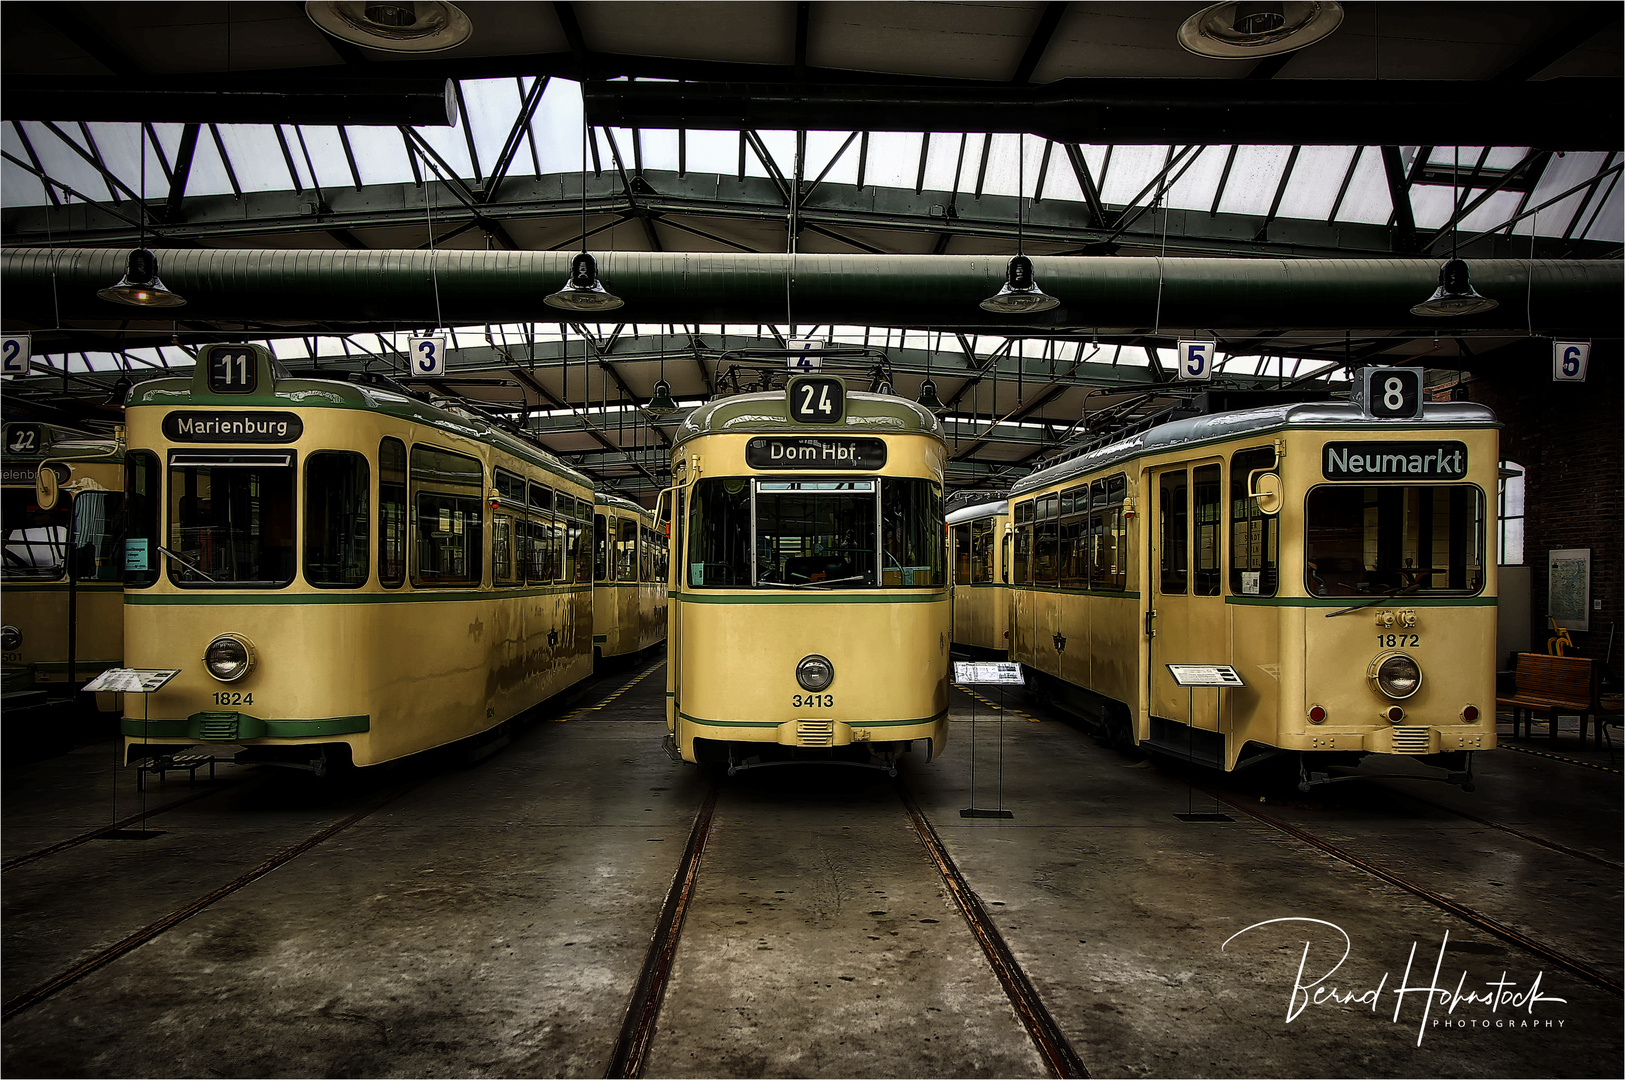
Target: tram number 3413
x=812 y=701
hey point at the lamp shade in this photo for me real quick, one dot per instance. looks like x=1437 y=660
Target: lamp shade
x=1020 y=294
x=928 y=396
x=140 y=286
x=661 y=403
x=1455 y=294
x=583 y=291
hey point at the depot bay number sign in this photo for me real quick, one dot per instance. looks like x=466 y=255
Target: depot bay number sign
x=814 y=452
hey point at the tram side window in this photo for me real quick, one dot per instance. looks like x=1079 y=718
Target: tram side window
x=1375 y=541
x=391 y=512
x=98 y=535
x=1173 y=503
x=578 y=537
x=982 y=539
x=1206 y=499
x=961 y=535
x=1024 y=542
x=141 y=515
x=337 y=492
x=1255 y=537
x=231 y=522
x=448 y=518
x=626 y=550
x=506 y=540
x=911 y=528
x=600 y=548
x=646 y=554
x=1045 y=541
x=1108 y=534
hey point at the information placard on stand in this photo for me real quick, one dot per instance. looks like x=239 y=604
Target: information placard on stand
x=1000 y=673
x=141 y=681
x=1190 y=676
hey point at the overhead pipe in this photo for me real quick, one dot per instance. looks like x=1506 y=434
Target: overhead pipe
x=1559 y=114
x=412 y=288
x=245 y=100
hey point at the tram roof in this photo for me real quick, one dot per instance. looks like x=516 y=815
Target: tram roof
x=1222 y=427
x=981 y=510
x=319 y=393
x=768 y=413
x=604 y=498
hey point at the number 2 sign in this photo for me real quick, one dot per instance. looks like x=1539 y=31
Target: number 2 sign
x=1570 y=360
x=428 y=356
x=1196 y=360
x=16 y=348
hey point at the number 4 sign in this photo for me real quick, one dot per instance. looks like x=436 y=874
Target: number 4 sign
x=16 y=354
x=1570 y=360
x=1196 y=360
x=428 y=356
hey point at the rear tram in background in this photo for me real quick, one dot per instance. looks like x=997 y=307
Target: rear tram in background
x=629 y=570
x=64 y=618
x=809 y=603
x=1339 y=556
x=342 y=572
x=979 y=560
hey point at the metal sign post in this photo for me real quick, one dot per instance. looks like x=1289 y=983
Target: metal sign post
x=143 y=681
x=1001 y=674
x=1190 y=676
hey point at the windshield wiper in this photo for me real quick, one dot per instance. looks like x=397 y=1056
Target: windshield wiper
x=1389 y=595
x=198 y=570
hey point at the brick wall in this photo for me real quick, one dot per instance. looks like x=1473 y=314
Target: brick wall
x=1570 y=439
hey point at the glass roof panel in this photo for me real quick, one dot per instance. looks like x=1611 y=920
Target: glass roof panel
x=326 y=155
x=1132 y=168
x=822 y=146
x=256 y=157
x=208 y=173
x=714 y=151
x=894 y=159
x=659 y=149
x=942 y=161
x=490 y=106
x=59 y=160
x=380 y=155
x=21 y=187
x=1194 y=189
x=1561 y=174
x=1367 y=199
x=1254 y=177
x=556 y=127
x=1315 y=180
x=781 y=147
x=452 y=146
x=1061 y=182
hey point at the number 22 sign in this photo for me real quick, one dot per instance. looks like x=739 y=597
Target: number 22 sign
x=428 y=355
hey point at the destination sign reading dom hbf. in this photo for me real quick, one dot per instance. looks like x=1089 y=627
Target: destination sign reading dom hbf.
x=812 y=452
x=1443 y=460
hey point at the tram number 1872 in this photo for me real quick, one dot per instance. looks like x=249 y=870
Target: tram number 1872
x=1398 y=641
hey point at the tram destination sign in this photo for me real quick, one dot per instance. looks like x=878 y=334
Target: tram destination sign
x=1442 y=460
x=815 y=452
x=220 y=426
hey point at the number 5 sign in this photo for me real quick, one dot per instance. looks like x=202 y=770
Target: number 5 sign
x=1196 y=360
x=16 y=354
x=1570 y=360
x=428 y=356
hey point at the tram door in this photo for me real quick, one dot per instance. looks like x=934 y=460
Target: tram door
x=1188 y=624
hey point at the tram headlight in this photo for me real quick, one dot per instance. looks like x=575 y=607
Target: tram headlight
x=1396 y=675
x=815 y=672
x=229 y=657
x=11 y=638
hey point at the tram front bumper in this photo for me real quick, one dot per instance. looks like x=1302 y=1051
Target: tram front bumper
x=1410 y=740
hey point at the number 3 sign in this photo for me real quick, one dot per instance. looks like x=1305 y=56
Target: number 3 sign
x=1570 y=360
x=428 y=356
x=1196 y=360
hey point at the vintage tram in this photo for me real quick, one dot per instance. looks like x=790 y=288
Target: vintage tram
x=809 y=603
x=979 y=562
x=61 y=519
x=1338 y=556
x=341 y=571
x=628 y=579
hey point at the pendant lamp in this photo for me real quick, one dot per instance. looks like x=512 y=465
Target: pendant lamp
x=1455 y=294
x=583 y=291
x=140 y=286
x=1020 y=294
x=928 y=396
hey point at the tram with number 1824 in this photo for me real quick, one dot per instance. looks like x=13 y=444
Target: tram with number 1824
x=809 y=602
x=1337 y=556
x=342 y=572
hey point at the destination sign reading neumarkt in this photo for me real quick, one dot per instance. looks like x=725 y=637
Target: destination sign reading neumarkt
x=1443 y=460
x=813 y=452
x=217 y=426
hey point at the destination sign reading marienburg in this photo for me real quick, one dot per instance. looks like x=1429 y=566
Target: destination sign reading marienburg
x=1444 y=460
x=812 y=452
x=215 y=426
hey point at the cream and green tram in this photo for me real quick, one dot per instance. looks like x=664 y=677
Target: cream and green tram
x=64 y=619
x=628 y=579
x=340 y=571
x=978 y=556
x=1340 y=562
x=809 y=602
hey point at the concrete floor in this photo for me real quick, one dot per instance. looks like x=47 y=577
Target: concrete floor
x=491 y=920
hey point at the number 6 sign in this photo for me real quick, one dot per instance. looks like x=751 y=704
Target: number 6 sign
x=1570 y=360
x=428 y=356
x=1196 y=360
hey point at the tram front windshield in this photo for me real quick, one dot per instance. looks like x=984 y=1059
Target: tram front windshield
x=816 y=534
x=1371 y=541
x=35 y=539
x=231 y=524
